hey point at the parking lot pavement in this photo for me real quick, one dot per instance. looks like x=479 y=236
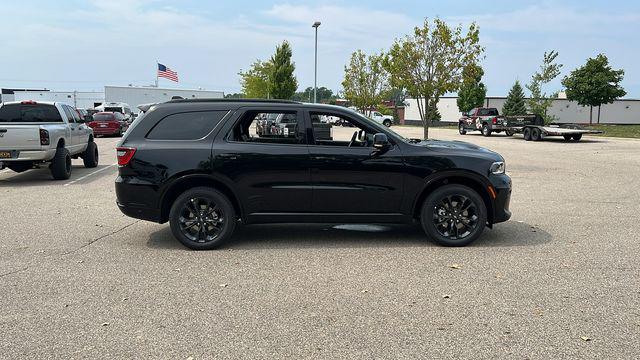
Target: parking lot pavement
x=560 y=280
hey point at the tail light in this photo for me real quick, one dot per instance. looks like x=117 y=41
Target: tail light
x=44 y=137
x=125 y=154
x=494 y=120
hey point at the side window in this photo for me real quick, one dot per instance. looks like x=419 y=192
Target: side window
x=76 y=116
x=68 y=113
x=338 y=130
x=186 y=126
x=276 y=127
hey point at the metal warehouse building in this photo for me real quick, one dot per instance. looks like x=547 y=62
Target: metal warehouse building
x=135 y=96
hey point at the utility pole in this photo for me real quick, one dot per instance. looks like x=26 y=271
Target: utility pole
x=315 y=71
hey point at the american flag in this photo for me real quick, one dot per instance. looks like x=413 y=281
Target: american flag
x=165 y=72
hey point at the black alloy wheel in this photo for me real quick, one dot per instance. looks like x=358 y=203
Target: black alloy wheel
x=202 y=218
x=454 y=215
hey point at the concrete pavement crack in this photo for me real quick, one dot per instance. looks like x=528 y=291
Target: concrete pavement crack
x=100 y=238
x=13 y=272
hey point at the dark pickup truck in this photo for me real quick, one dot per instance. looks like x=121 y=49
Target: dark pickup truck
x=485 y=120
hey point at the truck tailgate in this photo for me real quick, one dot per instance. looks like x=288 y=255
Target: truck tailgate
x=19 y=137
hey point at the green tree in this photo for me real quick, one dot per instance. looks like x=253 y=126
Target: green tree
x=365 y=80
x=282 y=82
x=255 y=81
x=429 y=63
x=472 y=92
x=234 y=96
x=539 y=102
x=325 y=95
x=515 y=103
x=593 y=84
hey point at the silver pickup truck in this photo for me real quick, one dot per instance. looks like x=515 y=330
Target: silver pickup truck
x=37 y=133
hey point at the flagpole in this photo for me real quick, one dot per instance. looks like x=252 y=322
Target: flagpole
x=157 y=73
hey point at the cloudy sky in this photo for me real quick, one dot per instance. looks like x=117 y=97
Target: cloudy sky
x=83 y=45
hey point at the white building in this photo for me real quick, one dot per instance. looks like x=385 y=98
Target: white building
x=79 y=99
x=135 y=96
x=623 y=111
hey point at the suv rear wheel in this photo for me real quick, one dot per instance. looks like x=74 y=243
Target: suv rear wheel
x=61 y=164
x=202 y=218
x=453 y=215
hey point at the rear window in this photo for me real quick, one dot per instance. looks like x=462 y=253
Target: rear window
x=488 y=112
x=103 y=117
x=29 y=113
x=186 y=126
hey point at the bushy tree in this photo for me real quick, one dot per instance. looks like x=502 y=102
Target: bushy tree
x=515 y=103
x=282 y=82
x=472 y=92
x=365 y=80
x=429 y=62
x=539 y=102
x=593 y=84
x=325 y=95
x=255 y=81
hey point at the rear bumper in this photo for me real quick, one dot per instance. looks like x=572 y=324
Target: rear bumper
x=138 y=200
x=31 y=155
x=105 y=131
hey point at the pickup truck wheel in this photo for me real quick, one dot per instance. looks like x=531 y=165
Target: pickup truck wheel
x=61 y=164
x=90 y=155
x=566 y=137
x=576 y=137
x=485 y=130
x=461 y=129
x=453 y=215
x=536 y=135
x=202 y=218
x=387 y=123
x=527 y=134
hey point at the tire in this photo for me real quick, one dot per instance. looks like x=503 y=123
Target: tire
x=61 y=165
x=447 y=232
x=194 y=200
x=461 y=129
x=20 y=166
x=485 y=130
x=527 y=134
x=90 y=155
x=508 y=132
x=387 y=123
x=536 y=134
x=566 y=137
x=576 y=137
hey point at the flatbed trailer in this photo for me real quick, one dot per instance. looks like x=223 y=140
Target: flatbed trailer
x=533 y=129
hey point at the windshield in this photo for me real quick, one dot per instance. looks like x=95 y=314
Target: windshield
x=114 y=109
x=103 y=117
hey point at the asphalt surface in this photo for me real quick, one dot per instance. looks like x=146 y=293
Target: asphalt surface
x=561 y=279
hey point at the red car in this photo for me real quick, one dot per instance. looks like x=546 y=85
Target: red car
x=108 y=123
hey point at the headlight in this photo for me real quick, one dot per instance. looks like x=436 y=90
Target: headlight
x=497 y=167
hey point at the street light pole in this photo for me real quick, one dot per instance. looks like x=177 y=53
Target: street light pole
x=315 y=69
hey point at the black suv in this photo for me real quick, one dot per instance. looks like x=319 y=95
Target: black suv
x=203 y=165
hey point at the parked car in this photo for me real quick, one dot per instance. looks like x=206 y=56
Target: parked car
x=37 y=133
x=84 y=114
x=485 y=120
x=108 y=123
x=196 y=164
x=122 y=108
x=385 y=120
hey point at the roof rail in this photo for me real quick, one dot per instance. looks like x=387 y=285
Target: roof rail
x=278 y=101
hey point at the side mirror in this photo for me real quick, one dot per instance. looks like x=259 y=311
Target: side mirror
x=380 y=141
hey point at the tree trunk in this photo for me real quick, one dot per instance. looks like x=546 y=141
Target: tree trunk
x=425 y=126
x=591 y=115
x=599 y=113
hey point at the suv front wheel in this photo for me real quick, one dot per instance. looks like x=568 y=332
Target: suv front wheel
x=202 y=218
x=453 y=215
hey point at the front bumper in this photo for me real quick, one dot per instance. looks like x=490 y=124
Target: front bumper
x=502 y=185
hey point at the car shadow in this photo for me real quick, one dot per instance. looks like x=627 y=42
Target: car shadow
x=42 y=176
x=284 y=236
